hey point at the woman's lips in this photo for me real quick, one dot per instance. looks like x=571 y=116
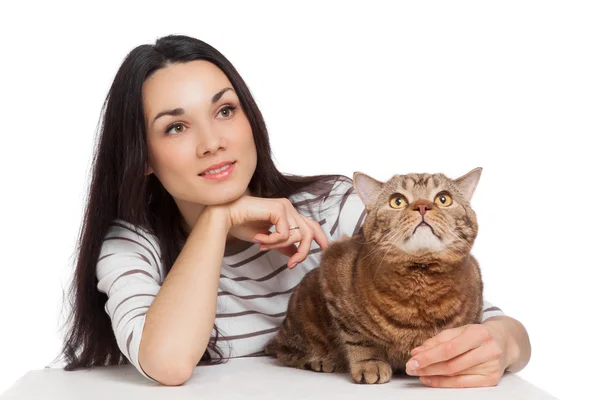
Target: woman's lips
x=217 y=166
x=221 y=175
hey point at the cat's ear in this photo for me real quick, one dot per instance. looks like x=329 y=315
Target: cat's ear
x=368 y=188
x=468 y=182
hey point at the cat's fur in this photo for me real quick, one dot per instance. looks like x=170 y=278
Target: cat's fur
x=387 y=289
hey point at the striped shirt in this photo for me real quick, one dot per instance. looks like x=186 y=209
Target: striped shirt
x=254 y=286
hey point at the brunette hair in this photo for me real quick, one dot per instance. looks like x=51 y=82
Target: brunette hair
x=120 y=189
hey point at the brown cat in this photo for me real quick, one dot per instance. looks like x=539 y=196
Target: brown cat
x=406 y=276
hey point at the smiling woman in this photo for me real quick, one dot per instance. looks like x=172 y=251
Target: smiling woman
x=192 y=241
x=198 y=137
x=165 y=232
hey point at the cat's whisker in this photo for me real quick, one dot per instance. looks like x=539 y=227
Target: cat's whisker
x=388 y=250
x=453 y=234
x=370 y=241
x=442 y=222
x=380 y=238
x=376 y=248
x=407 y=304
x=374 y=251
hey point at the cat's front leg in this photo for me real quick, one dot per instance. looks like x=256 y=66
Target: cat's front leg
x=367 y=361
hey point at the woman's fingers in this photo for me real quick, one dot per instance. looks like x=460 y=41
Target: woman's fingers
x=473 y=358
x=319 y=235
x=278 y=216
x=306 y=238
x=457 y=365
x=296 y=232
x=441 y=337
x=288 y=251
x=295 y=236
x=290 y=228
x=468 y=338
x=301 y=232
x=306 y=230
x=304 y=246
x=460 y=381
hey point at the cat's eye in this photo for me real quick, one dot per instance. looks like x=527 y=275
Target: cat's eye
x=443 y=199
x=398 y=201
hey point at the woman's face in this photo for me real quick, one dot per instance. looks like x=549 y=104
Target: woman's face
x=194 y=121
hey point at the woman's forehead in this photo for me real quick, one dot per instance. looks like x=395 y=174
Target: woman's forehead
x=201 y=77
x=183 y=85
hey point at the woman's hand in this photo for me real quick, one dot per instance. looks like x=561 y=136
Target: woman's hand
x=469 y=356
x=250 y=219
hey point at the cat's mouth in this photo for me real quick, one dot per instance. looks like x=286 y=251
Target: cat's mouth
x=423 y=224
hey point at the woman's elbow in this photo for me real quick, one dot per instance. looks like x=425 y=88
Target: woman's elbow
x=175 y=376
x=168 y=374
x=164 y=366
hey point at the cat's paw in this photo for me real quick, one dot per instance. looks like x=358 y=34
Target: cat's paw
x=321 y=366
x=372 y=371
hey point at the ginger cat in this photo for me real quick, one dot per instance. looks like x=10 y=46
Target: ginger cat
x=406 y=276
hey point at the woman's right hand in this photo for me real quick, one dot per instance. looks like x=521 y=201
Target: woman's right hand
x=250 y=218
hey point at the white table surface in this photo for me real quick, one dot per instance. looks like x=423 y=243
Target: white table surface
x=257 y=377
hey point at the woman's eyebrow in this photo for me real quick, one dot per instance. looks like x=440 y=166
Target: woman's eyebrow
x=218 y=96
x=178 y=111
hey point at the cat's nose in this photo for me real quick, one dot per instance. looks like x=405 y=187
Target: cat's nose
x=422 y=205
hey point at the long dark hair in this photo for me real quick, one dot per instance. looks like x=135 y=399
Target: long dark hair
x=120 y=189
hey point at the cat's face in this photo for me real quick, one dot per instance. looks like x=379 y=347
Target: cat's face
x=420 y=213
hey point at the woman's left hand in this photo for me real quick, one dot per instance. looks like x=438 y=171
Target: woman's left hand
x=469 y=356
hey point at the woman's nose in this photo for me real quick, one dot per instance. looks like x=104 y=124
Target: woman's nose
x=209 y=142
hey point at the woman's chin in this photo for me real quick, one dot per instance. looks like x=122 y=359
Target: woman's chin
x=224 y=196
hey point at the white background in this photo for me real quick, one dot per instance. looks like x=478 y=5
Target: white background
x=510 y=86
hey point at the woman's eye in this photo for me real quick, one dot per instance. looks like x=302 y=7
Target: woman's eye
x=443 y=199
x=178 y=127
x=227 y=111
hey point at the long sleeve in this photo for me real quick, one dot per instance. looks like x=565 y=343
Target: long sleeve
x=345 y=209
x=489 y=310
x=129 y=272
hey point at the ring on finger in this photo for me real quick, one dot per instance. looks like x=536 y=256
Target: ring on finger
x=294 y=227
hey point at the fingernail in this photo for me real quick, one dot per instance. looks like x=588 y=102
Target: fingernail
x=293 y=265
x=412 y=364
x=256 y=241
x=414 y=352
x=410 y=372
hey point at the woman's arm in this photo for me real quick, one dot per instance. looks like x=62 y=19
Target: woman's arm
x=180 y=320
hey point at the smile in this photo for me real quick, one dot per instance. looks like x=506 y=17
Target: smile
x=219 y=174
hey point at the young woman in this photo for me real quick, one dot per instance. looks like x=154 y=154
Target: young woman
x=188 y=246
